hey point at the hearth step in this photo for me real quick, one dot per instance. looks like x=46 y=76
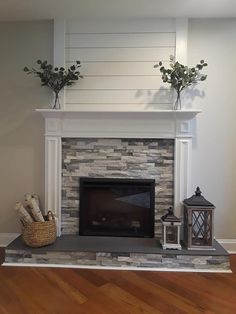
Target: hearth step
x=116 y=253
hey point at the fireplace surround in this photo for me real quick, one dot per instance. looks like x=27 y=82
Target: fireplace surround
x=159 y=124
x=117 y=158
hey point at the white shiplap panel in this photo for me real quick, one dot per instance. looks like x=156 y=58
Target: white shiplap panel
x=120 y=40
x=117 y=59
x=119 y=97
x=118 y=68
x=120 y=26
x=120 y=82
x=119 y=54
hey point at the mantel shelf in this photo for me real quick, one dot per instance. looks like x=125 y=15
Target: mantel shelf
x=187 y=114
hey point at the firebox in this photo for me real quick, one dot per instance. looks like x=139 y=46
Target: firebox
x=116 y=207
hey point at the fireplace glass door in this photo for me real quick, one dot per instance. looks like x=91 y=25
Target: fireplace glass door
x=116 y=207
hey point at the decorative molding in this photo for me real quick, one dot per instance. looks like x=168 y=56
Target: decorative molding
x=53 y=178
x=229 y=245
x=183 y=149
x=181 y=40
x=7 y=238
x=59 y=50
x=117 y=124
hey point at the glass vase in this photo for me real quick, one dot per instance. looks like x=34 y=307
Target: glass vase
x=177 y=104
x=56 y=102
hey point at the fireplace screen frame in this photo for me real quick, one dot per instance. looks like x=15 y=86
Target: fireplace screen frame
x=117 y=181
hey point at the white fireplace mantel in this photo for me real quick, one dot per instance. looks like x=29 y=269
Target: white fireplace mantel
x=139 y=124
x=173 y=124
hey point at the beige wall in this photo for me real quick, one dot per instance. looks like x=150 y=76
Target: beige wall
x=21 y=129
x=214 y=155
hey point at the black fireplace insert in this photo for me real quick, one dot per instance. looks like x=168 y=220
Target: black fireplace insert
x=116 y=207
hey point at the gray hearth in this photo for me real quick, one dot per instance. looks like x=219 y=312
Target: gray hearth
x=129 y=253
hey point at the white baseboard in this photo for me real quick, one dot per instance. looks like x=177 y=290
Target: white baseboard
x=6 y=238
x=229 y=245
x=136 y=268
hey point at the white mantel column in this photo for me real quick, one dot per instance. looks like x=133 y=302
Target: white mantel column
x=182 y=181
x=53 y=178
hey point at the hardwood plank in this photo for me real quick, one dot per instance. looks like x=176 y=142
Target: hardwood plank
x=97 y=300
x=52 y=276
x=2 y=255
x=127 y=299
x=153 y=294
x=51 y=290
x=192 y=287
x=92 y=276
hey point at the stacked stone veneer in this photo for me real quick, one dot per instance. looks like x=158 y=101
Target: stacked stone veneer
x=115 y=158
x=121 y=260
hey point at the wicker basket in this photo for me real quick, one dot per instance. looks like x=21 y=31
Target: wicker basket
x=39 y=234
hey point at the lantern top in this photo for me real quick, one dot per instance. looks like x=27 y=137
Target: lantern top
x=198 y=200
x=170 y=217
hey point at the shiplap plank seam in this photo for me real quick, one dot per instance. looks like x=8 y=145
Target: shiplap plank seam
x=115 y=89
x=127 y=61
x=122 y=47
x=118 y=33
x=123 y=75
x=118 y=103
x=92 y=44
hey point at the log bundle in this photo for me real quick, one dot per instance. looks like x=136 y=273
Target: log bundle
x=29 y=210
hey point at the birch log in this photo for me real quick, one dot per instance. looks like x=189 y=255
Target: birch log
x=23 y=214
x=28 y=198
x=33 y=205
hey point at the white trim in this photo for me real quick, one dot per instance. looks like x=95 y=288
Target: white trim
x=53 y=178
x=181 y=40
x=229 y=245
x=59 y=50
x=7 y=238
x=120 y=268
x=182 y=181
x=119 y=124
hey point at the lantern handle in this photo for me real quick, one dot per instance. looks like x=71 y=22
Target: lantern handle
x=198 y=192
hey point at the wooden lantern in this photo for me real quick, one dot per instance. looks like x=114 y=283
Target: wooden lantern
x=198 y=222
x=170 y=231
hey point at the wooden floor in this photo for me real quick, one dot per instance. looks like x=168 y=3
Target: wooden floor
x=57 y=290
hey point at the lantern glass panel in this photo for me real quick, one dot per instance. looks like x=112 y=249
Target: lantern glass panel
x=201 y=227
x=171 y=234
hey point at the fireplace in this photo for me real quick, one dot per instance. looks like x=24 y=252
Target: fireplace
x=117 y=207
x=61 y=191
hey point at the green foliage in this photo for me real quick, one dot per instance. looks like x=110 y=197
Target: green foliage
x=55 y=78
x=180 y=76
